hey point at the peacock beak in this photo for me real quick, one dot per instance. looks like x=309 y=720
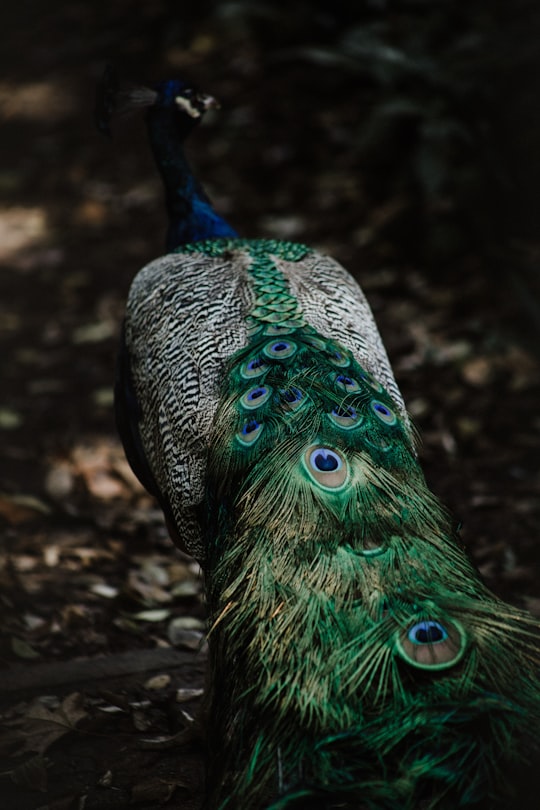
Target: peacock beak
x=208 y=102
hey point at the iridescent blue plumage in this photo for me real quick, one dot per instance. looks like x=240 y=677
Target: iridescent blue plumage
x=173 y=108
x=175 y=111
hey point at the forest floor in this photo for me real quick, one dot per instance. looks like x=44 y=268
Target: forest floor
x=102 y=656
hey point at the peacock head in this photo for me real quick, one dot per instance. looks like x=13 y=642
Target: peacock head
x=177 y=94
x=116 y=98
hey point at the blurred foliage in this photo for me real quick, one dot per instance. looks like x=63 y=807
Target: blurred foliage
x=430 y=80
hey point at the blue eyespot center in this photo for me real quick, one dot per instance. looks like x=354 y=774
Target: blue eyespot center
x=255 y=367
x=327 y=468
x=383 y=412
x=250 y=426
x=256 y=396
x=279 y=349
x=346 y=382
x=292 y=395
x=427 y=632
x=325 y=460
x=338 y=358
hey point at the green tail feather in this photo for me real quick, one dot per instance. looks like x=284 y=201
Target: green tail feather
x=358 y=661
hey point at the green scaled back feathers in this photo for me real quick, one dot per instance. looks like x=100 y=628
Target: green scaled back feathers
x=358 y=661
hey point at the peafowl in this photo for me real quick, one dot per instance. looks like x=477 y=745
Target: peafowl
x=356 y=658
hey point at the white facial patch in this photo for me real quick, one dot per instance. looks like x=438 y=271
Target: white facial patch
x=187 y=107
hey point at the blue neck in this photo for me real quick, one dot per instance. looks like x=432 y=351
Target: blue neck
x=191 y=216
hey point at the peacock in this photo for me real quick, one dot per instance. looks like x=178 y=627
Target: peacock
x=356 y=659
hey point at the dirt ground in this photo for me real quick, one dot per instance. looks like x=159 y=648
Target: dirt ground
x=102 y=656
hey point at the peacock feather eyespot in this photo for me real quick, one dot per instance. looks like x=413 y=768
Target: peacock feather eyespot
x=327 y=467
x=366 y=377
x=338 y=358
x=250 y=431
x=256 y=396
x=368 y=548
x=345 y=416
x=432 y=644
x=280 y=349
x=253 y=368
x=372 y=549
x=383 y=412
x=346 y=383
x=292 y=398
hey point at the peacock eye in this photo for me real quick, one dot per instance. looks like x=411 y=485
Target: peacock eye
x=291 y=397
x=427 y=632
x=345 y=416
x=432 y=644
x=325 y=460
x=250 y=431
x=383 y=413
x=338 y=358
x=327 y=467
x=277 y=350
x=371 y=381
x=347 y=383
x=256 y=396
x=253 y=368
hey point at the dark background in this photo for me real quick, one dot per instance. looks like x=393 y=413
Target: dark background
x=402 y=138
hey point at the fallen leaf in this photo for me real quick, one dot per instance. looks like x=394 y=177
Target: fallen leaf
x=103 y=397
x=43 y=726
x=478 y=371
x=158 y=682
x=183 y=695
x=20 y=227
x=94 y=332
x=10 y=419
x=141 y=720
x=157 y=615
x=102 y=589
x=102 y=485
x=106 y=779
x=31 y=774
x=18 y=509
x=59 y=481
x=23 y=650
x=180 y=636
x=188 y=623
x=186 y=589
